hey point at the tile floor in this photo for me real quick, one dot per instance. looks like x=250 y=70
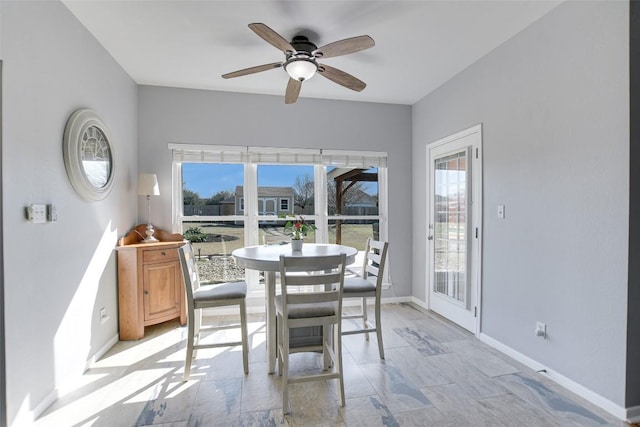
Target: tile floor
x=435 y=374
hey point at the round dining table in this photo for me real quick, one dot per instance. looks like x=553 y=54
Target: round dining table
x=266 y=258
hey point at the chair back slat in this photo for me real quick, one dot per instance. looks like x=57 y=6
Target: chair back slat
x=327 y=270
x=318 y=263
x=312 y=279
x=275 y=239
x=375 y=258
x=372 y=270
x=313 y=297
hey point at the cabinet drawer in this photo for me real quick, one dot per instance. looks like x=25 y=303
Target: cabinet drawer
x=160 y=255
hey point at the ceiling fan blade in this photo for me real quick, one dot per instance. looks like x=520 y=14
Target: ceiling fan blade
x=252 y=70
x=293 y=90
x=271 y=37
x=342 y=78
x=344 y=47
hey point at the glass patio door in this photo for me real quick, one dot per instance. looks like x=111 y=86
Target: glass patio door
x=454 y=229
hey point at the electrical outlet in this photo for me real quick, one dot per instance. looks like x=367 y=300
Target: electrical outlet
x=103 y=315
x=541 y=330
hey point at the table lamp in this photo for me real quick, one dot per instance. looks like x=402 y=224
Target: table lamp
x=148 y=186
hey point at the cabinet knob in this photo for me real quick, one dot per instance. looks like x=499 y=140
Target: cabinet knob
x=146 y=292
x=164 y=253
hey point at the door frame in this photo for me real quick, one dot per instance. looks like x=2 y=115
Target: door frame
x=476 y=217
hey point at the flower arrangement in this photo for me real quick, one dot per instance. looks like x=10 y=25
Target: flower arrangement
x=297 y=228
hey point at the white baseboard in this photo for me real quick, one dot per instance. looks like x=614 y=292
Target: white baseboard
x=585 y=393
x=101 y=351
x=420 y=303
x=395 y=300
x=66 y=385
x=30 y=416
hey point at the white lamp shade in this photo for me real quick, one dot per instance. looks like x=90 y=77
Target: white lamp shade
x=301 y=69
x=148 y=185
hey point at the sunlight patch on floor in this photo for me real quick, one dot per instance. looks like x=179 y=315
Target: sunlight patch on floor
x=132 y=388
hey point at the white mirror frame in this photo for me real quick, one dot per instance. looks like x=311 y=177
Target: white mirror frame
x=79 y=122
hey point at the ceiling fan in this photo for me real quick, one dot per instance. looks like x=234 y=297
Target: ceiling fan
x=301 y=60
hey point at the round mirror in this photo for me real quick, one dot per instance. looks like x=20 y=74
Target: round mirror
x=88 y=155
x=96 y=156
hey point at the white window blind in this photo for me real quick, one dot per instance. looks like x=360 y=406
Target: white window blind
x=195 y=153
x=192 y=153
x=269 y=155
x=355 y=159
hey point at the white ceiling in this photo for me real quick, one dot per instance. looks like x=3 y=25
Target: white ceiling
x=190 y=44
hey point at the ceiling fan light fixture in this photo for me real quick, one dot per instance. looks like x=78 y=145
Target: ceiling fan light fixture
x=301 y=68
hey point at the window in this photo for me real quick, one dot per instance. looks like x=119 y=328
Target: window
x=230 y=197
x=353 y=205
x=207 y=215
x=277 y=186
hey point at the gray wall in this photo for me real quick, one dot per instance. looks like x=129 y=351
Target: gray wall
x=207 y=117
x=58 y=275
x=554 y=106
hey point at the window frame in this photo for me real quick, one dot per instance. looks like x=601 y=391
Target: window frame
x=251 y=157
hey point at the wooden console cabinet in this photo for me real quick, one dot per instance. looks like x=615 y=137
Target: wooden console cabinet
x=150 y=284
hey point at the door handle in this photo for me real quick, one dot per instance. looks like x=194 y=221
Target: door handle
x=430 y=237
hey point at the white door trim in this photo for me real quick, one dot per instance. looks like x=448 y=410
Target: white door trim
x=476 y=213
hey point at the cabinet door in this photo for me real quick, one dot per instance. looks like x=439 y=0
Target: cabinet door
x=161 y=291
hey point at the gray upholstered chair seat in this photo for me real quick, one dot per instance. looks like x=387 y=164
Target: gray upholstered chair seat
x=220 y=292
x=302 y=311
x=358 y=285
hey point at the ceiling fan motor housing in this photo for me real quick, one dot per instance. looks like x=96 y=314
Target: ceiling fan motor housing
x=302 y=44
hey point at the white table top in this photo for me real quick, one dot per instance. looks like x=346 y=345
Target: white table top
x=267 y=257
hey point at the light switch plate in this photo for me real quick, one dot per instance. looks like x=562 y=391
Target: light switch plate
x=37 y=213
x=500 y=211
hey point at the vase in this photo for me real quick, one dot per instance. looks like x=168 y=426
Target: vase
x=296 y=245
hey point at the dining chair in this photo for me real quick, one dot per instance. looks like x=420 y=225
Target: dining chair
x=275 y=239
x=361 y=286
x=201 y=296
x=321 y=307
